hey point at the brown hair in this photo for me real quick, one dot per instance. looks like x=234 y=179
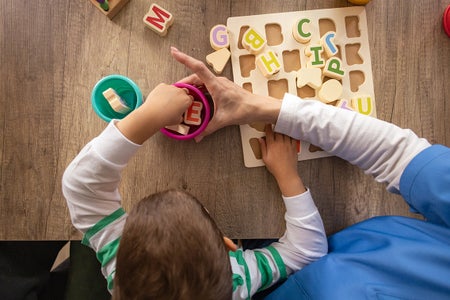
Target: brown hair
x=172 y=249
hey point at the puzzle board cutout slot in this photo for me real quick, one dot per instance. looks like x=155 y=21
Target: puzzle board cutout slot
x=306 y=92
x=277 y=88
x=273 y=34
x=247 y=63
x=326 y=25
x=291 y=60
x=352 y=26
x=248 y=86
x=352 y=54
x=242 y=30
x=351 y=39
x=258 y=126
x=356 y=80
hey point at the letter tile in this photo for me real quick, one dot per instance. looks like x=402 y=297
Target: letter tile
x=192 y=116
x=253 y=41
x=158 y=19
x=218 y=37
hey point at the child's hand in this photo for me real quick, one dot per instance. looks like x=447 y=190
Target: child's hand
x=164 y=106
x=279 y=153
x=233 y=105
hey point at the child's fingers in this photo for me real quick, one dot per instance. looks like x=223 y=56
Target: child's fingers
x=269 y=133
x=192 y=79
x=263 y=145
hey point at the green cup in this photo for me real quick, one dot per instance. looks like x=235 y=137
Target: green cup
x=124 y=87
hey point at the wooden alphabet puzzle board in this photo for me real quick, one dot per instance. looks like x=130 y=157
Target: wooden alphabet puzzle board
x=351 y=39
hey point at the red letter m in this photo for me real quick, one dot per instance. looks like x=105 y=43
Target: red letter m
x=161 y=15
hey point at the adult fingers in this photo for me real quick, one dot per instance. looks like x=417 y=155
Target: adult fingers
x=196 y=66
x=212 y=127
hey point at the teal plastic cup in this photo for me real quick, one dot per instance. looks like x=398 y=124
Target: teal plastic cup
x=124 y=87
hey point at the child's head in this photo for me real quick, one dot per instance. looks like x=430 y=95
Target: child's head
x=172 y=249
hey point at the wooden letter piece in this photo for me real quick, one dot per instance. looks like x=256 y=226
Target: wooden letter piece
x=333 y=68
x=344 y=104
x=192 y=116
x=330 y=91
x=309 y=76
x=253 y=41
x=218 y=59
x=180 y=128
x=327 y=41
x=116 y=103
x=268 y=63
x=363 y=104
x=158 y=19
x=315 y=56
x=298 y=31
x=218 y=37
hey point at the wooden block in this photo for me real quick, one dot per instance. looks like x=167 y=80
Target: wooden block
x=116 y=103
x=253 y=41
x=180 y=128
x=314 y=52
x=218 y=59
x=363 y=104
x=333 y=68
x=192 y=116
x=309 y=76
x=330 y=91
x=158 y=19
x=218 y=37
x=268 y=63
x=345 y=104
x=327 y=41
x=301 y=32
x=114 y=7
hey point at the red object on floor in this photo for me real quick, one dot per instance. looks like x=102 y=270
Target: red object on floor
x=446 y=20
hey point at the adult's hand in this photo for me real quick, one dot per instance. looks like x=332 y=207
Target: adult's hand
x=233 y=105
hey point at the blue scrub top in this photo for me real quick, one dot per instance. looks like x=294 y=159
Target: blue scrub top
x=389 y=257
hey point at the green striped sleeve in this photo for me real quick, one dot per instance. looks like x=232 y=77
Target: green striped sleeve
x=279 y=261
x=108 y=252
x=241 y=261
x=264 y=269
x=102 y=224
x=110 y=280
x=237 y=281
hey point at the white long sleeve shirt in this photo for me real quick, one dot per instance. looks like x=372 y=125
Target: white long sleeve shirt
x=90 y=186
x=381 y=149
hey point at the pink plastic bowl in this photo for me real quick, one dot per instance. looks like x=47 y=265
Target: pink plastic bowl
x=205 y=114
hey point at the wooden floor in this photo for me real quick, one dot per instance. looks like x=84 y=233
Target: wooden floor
x=53 y=52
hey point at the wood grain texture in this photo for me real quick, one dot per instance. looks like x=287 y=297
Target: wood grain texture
x=53 y=53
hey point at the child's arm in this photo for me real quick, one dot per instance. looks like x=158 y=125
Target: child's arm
x=90 y=182
x=304 y=240
x=279 y=153
x=164 y=106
